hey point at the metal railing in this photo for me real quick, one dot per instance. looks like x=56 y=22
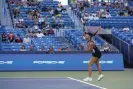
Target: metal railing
x=123 y=46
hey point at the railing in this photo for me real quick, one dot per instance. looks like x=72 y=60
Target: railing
x=10 y=11
x=124 y=47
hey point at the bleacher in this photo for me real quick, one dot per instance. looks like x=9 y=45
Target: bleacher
x=123 y=35
x=73 y=36
x=7 y=46
x=14 y=46
x=55 y=42
x=49 y=3
x=76 y=38
x=37 y=43
x=67 y=21
x=114 y=21
x=123 y=41
x=117 y=22
x=94 y=9
x=113 y=11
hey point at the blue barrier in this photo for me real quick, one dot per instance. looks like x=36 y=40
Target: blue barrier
x=131 y=56
x=131 y=3
x=23 y=62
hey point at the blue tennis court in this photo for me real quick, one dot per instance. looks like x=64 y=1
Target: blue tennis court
x=45 y=83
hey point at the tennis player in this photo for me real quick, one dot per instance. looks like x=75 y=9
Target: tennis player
x=96 y=55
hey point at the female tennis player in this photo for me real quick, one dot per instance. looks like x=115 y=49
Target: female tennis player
x=96 y=55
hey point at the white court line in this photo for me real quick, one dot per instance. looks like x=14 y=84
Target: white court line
x=86 y=83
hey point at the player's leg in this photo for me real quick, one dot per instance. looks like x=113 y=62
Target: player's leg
x=98 y=67
x=92 y=61
x=99 y=70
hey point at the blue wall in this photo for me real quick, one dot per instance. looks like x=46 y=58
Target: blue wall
x=131 y=3
x=13 y=62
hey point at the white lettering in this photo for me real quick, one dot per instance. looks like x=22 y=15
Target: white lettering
x=6 y=62
x=48 y=62
x=101 y=62
x=85 y=62
x=110 y=62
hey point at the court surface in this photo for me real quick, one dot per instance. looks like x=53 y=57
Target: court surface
x=45 y=83
x=65 y=80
